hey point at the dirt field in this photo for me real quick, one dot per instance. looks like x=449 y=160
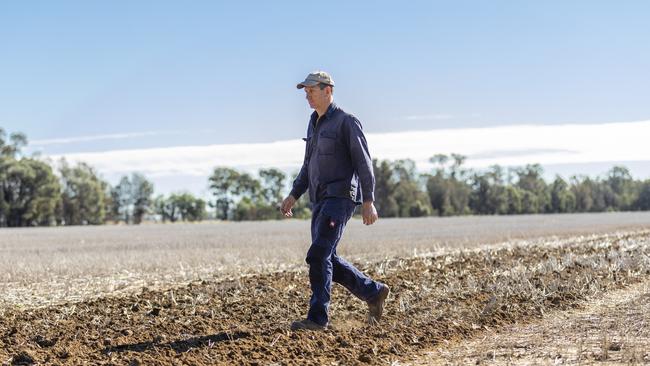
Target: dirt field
x=447 y=302
x=46 y=266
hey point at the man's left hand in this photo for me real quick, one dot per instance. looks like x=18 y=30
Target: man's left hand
x=369 y=213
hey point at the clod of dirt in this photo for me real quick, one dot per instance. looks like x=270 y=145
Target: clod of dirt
x=342 y=342
x=490 y=306
x=615 y=347
x=44 y=342
x=365 y=358
x=23 y=358
x=159 y=338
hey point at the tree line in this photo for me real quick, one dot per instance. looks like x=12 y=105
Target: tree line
x=450 y=189
x=34 y=193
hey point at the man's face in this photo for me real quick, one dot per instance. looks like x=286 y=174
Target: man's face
x=317 y=97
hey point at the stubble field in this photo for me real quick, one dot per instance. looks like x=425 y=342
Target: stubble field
x=225 y=293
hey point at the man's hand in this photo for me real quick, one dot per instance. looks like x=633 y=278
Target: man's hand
x=287 y=205
x=369 y=213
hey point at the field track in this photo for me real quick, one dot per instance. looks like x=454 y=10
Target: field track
x=612 y=329
x=437 y=300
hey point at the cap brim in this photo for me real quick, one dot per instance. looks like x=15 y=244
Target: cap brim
x=306 y=83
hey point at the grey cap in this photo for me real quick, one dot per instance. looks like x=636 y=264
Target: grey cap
x=315 y=78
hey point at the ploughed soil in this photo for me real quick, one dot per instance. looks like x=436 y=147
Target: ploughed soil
x=435 y=300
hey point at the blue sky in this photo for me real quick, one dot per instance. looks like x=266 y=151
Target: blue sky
x=90 y=76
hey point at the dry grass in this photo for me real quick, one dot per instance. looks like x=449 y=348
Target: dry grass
x=44 y=266
x=613 y=328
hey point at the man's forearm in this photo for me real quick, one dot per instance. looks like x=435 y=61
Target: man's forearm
x=300 y=184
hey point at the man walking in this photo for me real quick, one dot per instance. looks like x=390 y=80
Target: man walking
x=337 y=170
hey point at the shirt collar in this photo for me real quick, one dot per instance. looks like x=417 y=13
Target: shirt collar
x=328 y=114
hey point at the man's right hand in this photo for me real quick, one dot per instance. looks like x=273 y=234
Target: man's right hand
x=287 y=205
x=369 y=213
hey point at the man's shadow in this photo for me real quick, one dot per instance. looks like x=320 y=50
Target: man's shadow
x=180 y=346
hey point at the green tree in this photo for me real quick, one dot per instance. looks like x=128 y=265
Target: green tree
x=11 y=150
x=439 y=187
x=270 y=197
x=514 y=200
x=642 y=202
x=562 y=198
x=385 y=184
x=457 y=171
x=479 y=198
x=439 y=190
x=272 y=185
x=497 y=195
x=489 y=195
x=122 y=200
x=592 y=195
x=622 y=185
x=4 y=201
x=189 y=208
x=30 y=192
x=7 y=155
x=82 y=196
x=246 y=209
x=582 y=187
x=448 y=191
x=247 y=186
x=109 y=214
x=529 y=202
x=412 y=199
x=530 y=180
x=179 y=206
x=224 y=186
x=141 y=193
x=163 y=208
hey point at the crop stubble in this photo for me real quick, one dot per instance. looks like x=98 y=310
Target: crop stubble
x=47 y=266
x=436 y=298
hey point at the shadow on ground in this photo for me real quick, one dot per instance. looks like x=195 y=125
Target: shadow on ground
x=179 y=346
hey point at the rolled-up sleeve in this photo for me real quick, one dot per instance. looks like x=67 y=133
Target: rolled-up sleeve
x=360 y=156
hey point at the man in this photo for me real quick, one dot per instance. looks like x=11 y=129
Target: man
x=337 y=170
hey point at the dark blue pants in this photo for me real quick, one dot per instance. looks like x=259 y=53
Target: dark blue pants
x=328 y=221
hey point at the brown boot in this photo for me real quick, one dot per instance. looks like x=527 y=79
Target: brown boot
x=376 y=305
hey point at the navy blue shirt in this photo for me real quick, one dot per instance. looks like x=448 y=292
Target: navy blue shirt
x=337 y=162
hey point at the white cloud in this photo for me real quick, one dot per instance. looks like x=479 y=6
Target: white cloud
x=522 y=144
x=504 y=145
x=193 y=160
x=115 y=136
x=428 y=117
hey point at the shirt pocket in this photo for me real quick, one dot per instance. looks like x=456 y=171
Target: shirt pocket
x=327 y=142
